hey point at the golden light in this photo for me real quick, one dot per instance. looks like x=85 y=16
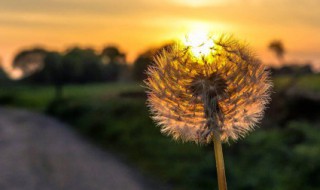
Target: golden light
x=200 y=43
x=199 y=3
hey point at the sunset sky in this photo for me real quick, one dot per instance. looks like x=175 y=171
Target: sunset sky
x=135 y=25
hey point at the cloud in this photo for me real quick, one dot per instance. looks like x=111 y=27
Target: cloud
x=72 y=6
x=279 y=12
x=201 y=3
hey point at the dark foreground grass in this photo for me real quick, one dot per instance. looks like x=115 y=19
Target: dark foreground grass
x=123 y=125
x=266 y=159
x=286 y=157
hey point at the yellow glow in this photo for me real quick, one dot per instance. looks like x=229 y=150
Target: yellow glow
x=200 y=43
x=199 y=3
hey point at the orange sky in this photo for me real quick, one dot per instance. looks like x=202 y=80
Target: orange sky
x=134 y=25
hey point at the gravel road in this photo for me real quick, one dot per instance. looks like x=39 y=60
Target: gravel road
x=40 y=153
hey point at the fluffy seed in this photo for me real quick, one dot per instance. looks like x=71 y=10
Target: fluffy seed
x=224 y=92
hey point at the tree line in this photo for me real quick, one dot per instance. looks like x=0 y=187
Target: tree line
x=80 y=65
x=85 y=65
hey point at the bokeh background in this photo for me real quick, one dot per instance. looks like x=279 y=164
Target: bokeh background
x=83 y=62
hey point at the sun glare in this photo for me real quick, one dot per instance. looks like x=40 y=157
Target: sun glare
x=199 y=42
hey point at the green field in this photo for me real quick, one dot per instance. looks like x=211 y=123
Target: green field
x=38 y=97
x=309 y=82
x=115 y=117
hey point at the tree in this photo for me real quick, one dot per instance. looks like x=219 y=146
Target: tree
x=111 y=54
x=53 y=69
x=277 y=48
x=114 y=63
x=3 y=76
x=49 y=74
x=29 y=61
x=140 y=65
x=81 y=66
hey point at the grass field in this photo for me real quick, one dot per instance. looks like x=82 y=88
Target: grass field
x=38 y=97
x=269 y=158
x=309 y=82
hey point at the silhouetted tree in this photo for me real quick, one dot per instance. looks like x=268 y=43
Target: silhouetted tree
x=277 y=48
x=50 y=73
x=53 y=69
x=141 y=63
x=76 y=65
x=81 y=66
x=112 y=54
x=3 y=76
x=140 y=66
x=293 y=69
x=114 y=63
x=29 y=60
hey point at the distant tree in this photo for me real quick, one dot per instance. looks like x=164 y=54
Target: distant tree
x=140 y=65
x=53 y=70
x=293 y=70
x=114 y=63
x=81 y=66
x=76 y=65
x=277 y=48
x=111 y=54
x=50 y=73
x=29 y=60
x=3 y=76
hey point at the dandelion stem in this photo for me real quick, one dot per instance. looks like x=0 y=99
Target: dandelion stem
x=219 y=162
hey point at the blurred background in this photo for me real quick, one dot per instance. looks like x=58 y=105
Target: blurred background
x=83 y=62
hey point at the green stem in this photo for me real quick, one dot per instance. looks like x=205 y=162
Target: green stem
x=219 y=162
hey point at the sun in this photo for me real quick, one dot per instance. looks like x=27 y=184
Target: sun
x=200 y=43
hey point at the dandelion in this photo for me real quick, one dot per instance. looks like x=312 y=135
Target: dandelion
x=212 y=91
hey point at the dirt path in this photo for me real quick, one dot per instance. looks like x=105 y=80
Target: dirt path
x=40 y=153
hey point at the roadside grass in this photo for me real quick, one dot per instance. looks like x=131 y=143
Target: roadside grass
x=310 y=82
x=38 y=97
x=30 y=97
x=306 y=82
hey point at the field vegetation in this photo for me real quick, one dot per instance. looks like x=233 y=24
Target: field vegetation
x=279 y=155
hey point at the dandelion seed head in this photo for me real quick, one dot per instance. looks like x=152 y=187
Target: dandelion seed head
x=192 y=97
